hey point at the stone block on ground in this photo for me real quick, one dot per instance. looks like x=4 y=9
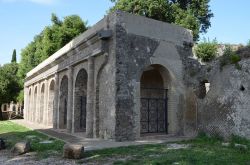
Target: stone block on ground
x=21 y=148
x=242 y=146
x=225 y=144
x=73 y=151
x=2 y=144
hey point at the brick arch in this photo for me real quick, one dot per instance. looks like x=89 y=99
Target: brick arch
x=80 y=100
x=162 y=70
x=63 y=102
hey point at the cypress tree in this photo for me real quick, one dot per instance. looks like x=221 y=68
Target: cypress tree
x=13 y=56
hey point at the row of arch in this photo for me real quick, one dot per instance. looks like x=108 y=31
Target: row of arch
x=79 y=101
x=50 y=102
x=41 y=107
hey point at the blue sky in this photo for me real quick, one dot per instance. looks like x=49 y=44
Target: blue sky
x=231 y=21
x=21 y=20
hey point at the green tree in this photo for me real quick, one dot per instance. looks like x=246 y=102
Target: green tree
x=51 y=39
x=191 y=14
x=206 y=50
x=9 y=83
x=13 y=59
x=248 y=43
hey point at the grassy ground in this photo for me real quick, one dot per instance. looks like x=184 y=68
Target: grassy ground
x=202 y=150
x=14 y=133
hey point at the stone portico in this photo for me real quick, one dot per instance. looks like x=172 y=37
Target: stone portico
x=121 y=79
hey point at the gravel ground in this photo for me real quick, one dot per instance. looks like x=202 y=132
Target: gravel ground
x=6 y=158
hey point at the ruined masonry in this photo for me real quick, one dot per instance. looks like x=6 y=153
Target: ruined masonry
x=126 y=77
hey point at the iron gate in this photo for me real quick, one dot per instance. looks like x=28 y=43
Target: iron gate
x=154 y=110
x=83 y=102
x=65 y=113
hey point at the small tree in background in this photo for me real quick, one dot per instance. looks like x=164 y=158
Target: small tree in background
x=13 y=59
x=9 y=83
x=248 y=43
x=207 y=50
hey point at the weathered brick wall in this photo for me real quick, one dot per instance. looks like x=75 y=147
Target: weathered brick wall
x=135 y=51
x=225 y=109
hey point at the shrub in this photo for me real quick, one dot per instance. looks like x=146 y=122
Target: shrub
x=248 y=43
x=240 y=140
x=234 y=59
x=206 y=50
x=230 y=57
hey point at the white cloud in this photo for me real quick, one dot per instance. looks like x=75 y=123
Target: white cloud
x=44 y=2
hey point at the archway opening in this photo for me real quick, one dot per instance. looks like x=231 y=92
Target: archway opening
x=29 y=113
x=4 y=107
x=80 y=101
x=34 y=110
x=41 y=112
x=14 y=108
x=153 y=111
x=204 y=87
x=63 y=103
x=51 y=102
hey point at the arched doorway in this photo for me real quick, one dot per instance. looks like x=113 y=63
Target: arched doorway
x=80 y=101
x=51 y=102
x=4 y=107
x=34 y=111
x=153 y=112
x=63 y=103
x=14 y=108
x=41 y=112
x=29 y=113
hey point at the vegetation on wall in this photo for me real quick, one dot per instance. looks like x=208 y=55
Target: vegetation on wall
x=192 y=14
x=206 y=50
x=230 y=57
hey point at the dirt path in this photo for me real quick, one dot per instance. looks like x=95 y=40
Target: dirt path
x=6 y=158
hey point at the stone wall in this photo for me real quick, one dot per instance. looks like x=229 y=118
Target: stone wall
x=225 y=109
x=139 y=46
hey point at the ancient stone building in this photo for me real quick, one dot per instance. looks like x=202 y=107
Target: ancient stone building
x=11 y=110
x=121 y=79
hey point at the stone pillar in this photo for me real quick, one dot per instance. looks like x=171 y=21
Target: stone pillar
x=45 y=107
x=90 y=98
x=70 y=99
x=56 y=105
x=26 y=102
x=29 y=105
